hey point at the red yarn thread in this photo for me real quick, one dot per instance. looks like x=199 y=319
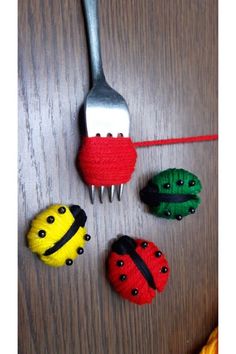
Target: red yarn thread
x=190 y=139
x=106 y=161
x=134 y=278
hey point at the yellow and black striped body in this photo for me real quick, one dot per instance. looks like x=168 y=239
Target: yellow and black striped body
x=57 y=235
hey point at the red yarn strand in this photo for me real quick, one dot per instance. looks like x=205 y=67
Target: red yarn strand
x=106 y=161
x=190 y=139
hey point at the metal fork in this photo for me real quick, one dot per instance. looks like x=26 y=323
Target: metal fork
x=106 y=111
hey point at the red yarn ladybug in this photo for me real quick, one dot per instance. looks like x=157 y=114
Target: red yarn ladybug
x=136 y=269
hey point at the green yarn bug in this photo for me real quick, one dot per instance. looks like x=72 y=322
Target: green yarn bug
x=172 y=194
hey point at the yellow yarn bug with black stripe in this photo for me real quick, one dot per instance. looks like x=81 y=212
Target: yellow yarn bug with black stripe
x=57 y=235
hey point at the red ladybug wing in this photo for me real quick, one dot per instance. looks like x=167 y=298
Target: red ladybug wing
x=155 y=261
x=134 y=279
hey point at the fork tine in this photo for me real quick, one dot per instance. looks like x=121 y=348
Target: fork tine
x=120 y=191
x=111 y=192
x=101 y=191
x=92 y=193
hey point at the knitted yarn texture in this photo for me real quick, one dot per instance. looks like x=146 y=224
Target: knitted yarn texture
x=212 y=344
x=107 y=161
x=172 y=194
x=137 y=269
x=57 y=235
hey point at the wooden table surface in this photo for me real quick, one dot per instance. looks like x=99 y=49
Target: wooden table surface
x=161 y=55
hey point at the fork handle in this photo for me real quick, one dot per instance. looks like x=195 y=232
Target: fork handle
x=92 y=23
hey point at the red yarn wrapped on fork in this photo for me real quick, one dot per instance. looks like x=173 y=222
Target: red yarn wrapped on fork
x=107 y=161
x=107 y=124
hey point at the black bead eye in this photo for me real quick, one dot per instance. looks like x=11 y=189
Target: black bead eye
x=180 y=182
x=50 y=219
x=87 y=237
x=179 y=217
x=62 y=210
x=167 y=213
x=80 y=250
x=69 y=262
x=123 y=277
x=134 y=292
x=158 y=254
x=192 y=183
x=192 y=210
x=42 y=233
x=166 y=185
x=164 y=270
x=144 y=244
x=120 y=263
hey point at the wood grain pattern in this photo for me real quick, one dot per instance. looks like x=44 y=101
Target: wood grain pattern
x=161 y=55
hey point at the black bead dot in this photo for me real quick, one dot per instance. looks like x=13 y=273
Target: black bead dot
x=80 y=250
x=192 y=210
x=164 y=269
x=69 y=262
x=134 y=292
x=179 y=217
x=144 y=244
x=50 y=219
x=166 y=185
x=42 y=233
x=62 y=210
x=158 y=254
x=192 y=183
x=123 y=277
x=180 y=182
x=167 y=213
x=87 y=237
x=120 y=263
